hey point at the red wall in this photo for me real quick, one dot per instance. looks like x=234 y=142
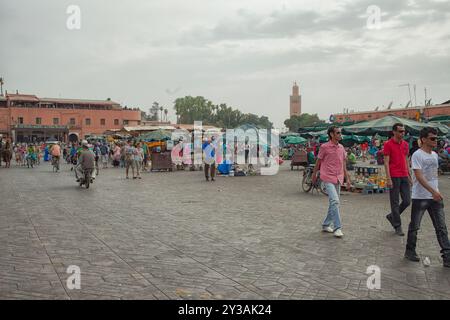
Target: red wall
x=9 y=116
x=404 y=113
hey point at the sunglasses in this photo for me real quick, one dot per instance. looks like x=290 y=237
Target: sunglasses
x=433 y=138
x=338 y=132
x=401 y=131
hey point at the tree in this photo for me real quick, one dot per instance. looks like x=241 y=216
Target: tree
x=304 y=120
x=190 y=109
x=165 y=114
x=153 y=114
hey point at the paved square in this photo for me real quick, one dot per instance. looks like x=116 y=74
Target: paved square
x=175 y=236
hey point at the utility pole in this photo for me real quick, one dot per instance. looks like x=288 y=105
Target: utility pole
x=409 y=90
x=415 y=97
x=425 y=96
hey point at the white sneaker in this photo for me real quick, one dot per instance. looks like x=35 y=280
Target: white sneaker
x=338 y=233
x=327 y=229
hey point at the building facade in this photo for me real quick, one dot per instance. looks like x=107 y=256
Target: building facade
x=27 y=118
x=414 y=113
x=295 y=101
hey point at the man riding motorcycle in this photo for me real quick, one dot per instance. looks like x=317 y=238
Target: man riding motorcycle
x=86 y=160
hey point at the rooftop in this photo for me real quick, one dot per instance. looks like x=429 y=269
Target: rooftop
x=444 y=105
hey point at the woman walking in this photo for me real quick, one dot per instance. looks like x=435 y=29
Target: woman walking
x=116 y=156
x=138 y=159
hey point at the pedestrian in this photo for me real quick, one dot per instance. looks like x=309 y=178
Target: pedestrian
x=426 y=196
x=398 y=176
x=104 y=152
x=209 y=152
x=116 y=155
x=145 y=150
x=128 y=154
x=138 y=159
x=331 y=164
x=364 y=148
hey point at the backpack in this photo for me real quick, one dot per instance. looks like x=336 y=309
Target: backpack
x=103 y=150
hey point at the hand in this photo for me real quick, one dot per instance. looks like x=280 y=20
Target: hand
x=389 y=183
x=437 y=196
x=349 y=185
x=314 y=179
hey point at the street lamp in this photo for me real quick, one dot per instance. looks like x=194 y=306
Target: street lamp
x=1 y=85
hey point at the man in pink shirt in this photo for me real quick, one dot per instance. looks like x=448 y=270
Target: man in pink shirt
x=332 y=166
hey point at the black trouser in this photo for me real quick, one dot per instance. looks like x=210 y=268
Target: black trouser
x=436 y=211
x=400 y=186
x=210 y=168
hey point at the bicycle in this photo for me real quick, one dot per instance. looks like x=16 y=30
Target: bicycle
x=307 y=184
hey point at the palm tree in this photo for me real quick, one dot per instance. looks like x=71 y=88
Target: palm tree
x=161 y=109
x=165 y=113
x=1 y=85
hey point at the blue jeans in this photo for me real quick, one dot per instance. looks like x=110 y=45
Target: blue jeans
x=333 y=216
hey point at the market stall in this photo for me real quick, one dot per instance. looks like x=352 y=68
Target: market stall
x=384 y=126
x=160 y=156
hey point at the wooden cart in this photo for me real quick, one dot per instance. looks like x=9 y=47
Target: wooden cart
x=300 y=158
x=161 y=161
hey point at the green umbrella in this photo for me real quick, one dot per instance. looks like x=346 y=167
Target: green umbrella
x=323 y=138
x=157 y=135
x=384 y=125
x=295 y=140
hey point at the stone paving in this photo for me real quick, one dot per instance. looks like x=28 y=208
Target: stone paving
x=175 y=236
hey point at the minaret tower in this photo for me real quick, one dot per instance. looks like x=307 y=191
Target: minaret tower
x=296 y=101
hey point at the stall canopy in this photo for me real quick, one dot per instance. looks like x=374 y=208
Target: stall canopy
x=158 y=135
x=295 y=140
x=383 y=126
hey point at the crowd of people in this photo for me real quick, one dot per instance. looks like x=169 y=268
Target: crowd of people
x=411 y=176
x=411 y=169
x=129 y=155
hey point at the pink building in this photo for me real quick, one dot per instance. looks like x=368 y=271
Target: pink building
x=29 y=118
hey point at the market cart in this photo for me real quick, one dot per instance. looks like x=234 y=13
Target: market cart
x=300 y=158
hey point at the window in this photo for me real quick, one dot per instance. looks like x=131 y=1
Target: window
x=102 y=122
x=125 y=122
x=55 y=121
x=38 y=120
x=88 y=121
x=72 y=121
x=116 y=122
x=369 y=116
x=20 y=120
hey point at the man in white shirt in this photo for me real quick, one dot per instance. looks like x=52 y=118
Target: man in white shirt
x=426 y=196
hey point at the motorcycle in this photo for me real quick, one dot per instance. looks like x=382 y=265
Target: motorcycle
x=444 y=166
x=86 y=179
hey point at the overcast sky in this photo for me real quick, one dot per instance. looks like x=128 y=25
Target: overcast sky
x=245 y=53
